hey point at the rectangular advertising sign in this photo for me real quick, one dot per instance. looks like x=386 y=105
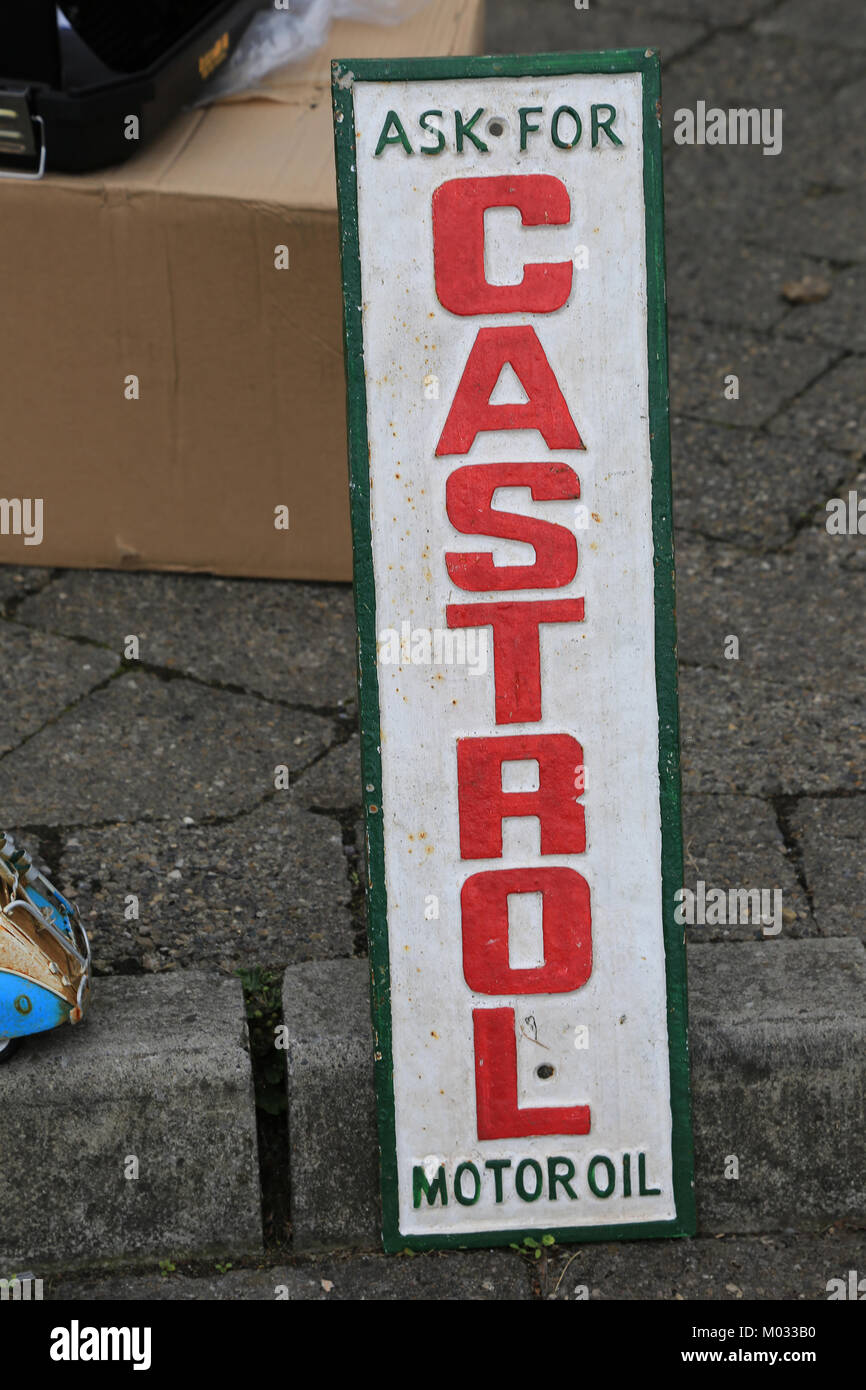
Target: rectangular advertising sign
x=503 y=264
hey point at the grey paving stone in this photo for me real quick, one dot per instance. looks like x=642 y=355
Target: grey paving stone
x=40 y=676
x=834 y=143
x=267 y=889
x=555 y=25
x=839 y=320
x=748 y=69
x=791 y=629
x=777 y=1032
x=735 y=12
x=833 y=553
x=18 y=581
x=483 y=1276
x=830 y=412
x=800 y=201
x=829 y=224
x=768 y=738
x=291 y=641
x=832 y=838
x=333 y=1144
x=769 y=372
x=737 y=285
x=855 y=555
x=158 y=1071
x=745 y=487
x=807 y=21
x=734 y=842
x=335 y=781
x=720 y=194
x=777 y=1267
x=736 y=1268
x=144 y=748
x=161 y=1288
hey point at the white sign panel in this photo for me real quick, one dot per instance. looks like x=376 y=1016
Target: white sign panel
x=514 y=579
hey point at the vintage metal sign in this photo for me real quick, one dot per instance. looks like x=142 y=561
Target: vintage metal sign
x=507 y=384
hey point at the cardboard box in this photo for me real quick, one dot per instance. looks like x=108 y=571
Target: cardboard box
x=164 y=270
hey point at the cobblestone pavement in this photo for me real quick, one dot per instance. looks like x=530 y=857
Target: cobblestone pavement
x=155 y=777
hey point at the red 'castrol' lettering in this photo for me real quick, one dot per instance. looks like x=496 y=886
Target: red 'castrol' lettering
x=461 y=285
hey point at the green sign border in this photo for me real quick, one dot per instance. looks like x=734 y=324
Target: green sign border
x=345 y=73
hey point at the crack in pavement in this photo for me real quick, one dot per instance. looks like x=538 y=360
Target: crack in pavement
x=67 y=709
x=764 y=426
x=782 y=806
x=167 y=674
x=14 y=601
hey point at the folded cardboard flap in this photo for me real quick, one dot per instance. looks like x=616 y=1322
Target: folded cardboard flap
x=165 y=388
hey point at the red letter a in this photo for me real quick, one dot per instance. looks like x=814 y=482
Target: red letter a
x=471 y=411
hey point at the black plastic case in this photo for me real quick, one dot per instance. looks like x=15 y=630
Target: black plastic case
x=72 y=75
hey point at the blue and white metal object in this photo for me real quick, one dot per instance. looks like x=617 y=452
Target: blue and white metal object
x=44 y=952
